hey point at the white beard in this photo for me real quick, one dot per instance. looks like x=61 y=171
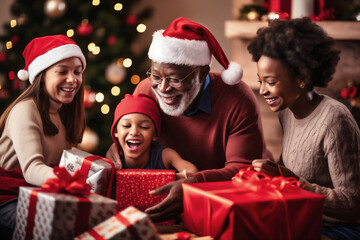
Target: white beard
x=186 y=98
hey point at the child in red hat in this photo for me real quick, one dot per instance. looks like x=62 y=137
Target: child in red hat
x=45 y=119
x=136 y=127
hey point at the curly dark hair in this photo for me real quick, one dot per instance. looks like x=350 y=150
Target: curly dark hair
x=301 y=46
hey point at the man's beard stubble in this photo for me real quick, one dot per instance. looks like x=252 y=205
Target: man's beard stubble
x=186 y=98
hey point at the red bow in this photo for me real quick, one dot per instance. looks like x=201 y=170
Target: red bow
x=66 y=183
x=348 y=92
x=262 y=182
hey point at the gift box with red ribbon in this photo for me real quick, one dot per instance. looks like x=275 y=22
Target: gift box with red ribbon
x=61 y=209
x=133 y=186
x=252 y=206
x=99 y=171
x=128 y=224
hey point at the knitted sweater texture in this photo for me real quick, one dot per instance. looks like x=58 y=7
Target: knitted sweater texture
x=24 y=145
x=323 y=149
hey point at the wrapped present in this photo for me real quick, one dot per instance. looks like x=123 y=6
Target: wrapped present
x=133 y=186
x=61 y=209
x=127 y=224
x=253 y=206
x=99 y=171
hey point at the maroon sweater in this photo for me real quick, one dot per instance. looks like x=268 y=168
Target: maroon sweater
x=221 y=143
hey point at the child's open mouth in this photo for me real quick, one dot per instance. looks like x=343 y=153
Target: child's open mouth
x=133 y=144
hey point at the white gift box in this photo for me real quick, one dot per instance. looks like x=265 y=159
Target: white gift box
x=128 y=224
x=99 y=173
x=58 y=215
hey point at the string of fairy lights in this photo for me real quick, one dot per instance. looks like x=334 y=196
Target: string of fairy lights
x=94 y=49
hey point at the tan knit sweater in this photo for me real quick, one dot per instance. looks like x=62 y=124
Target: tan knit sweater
x=24 y=144
x=323 y=149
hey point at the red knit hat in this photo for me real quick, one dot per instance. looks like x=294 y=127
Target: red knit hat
x=42 y=52
x=188 y=43
x=138 y=103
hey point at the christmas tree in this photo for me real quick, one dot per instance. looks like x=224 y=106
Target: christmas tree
x=105 y=30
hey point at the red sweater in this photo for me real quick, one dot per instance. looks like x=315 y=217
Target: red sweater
x=221 y=143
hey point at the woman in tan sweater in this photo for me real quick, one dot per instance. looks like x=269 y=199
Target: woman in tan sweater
x=321 y=144
x=45 y=119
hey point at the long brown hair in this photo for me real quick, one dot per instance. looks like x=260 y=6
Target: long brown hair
x=72 y=115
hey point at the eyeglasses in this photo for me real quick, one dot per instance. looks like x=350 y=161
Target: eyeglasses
x=172 y=81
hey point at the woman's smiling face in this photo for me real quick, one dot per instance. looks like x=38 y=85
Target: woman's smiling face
x=63 y=80
x=277 y=86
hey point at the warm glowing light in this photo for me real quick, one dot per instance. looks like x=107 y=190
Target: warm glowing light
x=273 y=16
x=99 y=97
x=92 y=97
x=105 y=109
x=118 y=7
x=127 y=62
x=95 y=2
x=13 y=23
x=8 y=45
x=119 y=62
x=96 y=50
x=91 y=46
x=70 y=33
x=135 y=79
x=141 y=28
x=115 y=91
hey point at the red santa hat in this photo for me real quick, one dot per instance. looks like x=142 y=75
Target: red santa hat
x=138 y=103
x=188 y=43
x=42 y=52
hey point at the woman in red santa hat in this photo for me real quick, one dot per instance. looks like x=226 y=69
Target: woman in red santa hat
x=45 y=119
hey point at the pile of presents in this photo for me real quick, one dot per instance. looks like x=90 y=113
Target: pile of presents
x=92 y=198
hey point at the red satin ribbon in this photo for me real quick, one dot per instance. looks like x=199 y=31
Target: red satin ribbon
x=95 y=235
x=134 y=234
x=85 y=168
x=64 y=183
x=261 y=182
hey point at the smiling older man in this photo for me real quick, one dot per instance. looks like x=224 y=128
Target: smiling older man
x=211 y=119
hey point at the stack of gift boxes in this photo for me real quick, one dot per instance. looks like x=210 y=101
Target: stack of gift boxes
x=116 y=198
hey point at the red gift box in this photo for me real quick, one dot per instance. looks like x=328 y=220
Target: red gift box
x=231 y=210
x=128 y=224
x=61 y=209
x=133 y=186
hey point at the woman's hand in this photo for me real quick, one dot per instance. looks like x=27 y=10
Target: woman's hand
x=271 y=168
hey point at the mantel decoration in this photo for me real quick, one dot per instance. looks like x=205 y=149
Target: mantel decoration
x=317 y=10
x=352 y=94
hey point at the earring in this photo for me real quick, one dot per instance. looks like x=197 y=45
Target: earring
x=302 y=85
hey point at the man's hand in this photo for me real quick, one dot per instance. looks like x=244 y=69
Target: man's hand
x=113 y=154
x=172 y=205
x=271 y=168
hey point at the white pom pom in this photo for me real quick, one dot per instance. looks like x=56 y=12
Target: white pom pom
x=23 y=75
x=233 y=74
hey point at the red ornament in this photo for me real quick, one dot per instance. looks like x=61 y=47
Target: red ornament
x=348 y=92
x=15 y=40
x=84 y=29
x=182 y=236
x=89 y=98
x=11 y=75
x=2 y=57
x=16 y=84
x=131 y=20
x=284 y=16
x=111 y=40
